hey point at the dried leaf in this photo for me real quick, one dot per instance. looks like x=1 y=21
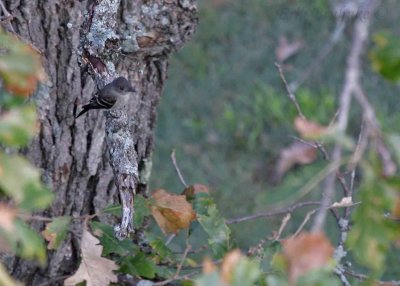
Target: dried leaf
x=172 y=212
x=229 y=263
x=286 y=50
x=309 y=129
x=345 y=202
x=297 y=153
x=7 y=216
x=96 y=270
x=306 y=252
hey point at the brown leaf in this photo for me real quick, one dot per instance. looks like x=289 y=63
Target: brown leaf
x=297 y=153
x=96 y=270
x=286 y=50
x=172 y=212
x=309 y=129
x=229 y=263
x=306 y=252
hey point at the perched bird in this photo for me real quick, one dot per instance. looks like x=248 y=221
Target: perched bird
x=113 y=95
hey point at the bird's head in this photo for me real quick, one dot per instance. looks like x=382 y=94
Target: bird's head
x=122 y=85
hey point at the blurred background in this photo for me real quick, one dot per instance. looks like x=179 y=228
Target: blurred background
x=226 y=112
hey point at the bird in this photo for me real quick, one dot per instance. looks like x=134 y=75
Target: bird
x=113 y=95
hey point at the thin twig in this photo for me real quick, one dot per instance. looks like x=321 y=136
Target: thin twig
x=178 y=270
x=290 y=94
x=28 y=217
x=365 y=277
x=170 y=238
x=271 y=213
x=259 y=247
x=306 y=219
x=178 y=171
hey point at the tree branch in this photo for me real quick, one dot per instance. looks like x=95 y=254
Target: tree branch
x=353 y=70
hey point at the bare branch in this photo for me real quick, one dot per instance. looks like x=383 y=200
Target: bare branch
x=178 y=171
x=353 y=70
x=272 y=213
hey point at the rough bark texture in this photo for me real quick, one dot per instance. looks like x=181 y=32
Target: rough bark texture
x=84 y=44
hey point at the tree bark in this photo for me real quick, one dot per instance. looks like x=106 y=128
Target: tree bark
x=84 y=43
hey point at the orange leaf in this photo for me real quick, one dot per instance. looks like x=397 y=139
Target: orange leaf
x=306 y=252
x=209 y=266
x=309 y=129
x=229 y=263
x=171 y=212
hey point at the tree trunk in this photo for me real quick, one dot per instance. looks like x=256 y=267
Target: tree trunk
x=83 y=43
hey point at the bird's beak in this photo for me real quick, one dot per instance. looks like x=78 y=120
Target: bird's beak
x=132 y=89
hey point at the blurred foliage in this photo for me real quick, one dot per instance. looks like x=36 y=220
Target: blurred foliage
x=385 y=56
x=373 y=233
x=20 y=181
x=20 y=65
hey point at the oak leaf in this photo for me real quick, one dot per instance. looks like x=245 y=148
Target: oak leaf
x=171 y=212
x=307 y=251
x=96 y=270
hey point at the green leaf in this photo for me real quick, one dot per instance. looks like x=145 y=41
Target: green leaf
x=385 y=56
x=320 y=277
x=105 y=233
x=274 y=280
x=246 y=272
x=139 y=265
x=159 y=247
x=372 y=233
x=18 y=126
x=20 y=180
x=201 y=203
x=56 y=231
x=27 y=243
x=142 y=210
x=219 y=233
x=209 y=279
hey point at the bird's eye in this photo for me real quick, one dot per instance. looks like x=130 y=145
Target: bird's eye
x=121 y=88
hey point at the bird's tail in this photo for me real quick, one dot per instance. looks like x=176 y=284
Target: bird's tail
x=87 y=107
